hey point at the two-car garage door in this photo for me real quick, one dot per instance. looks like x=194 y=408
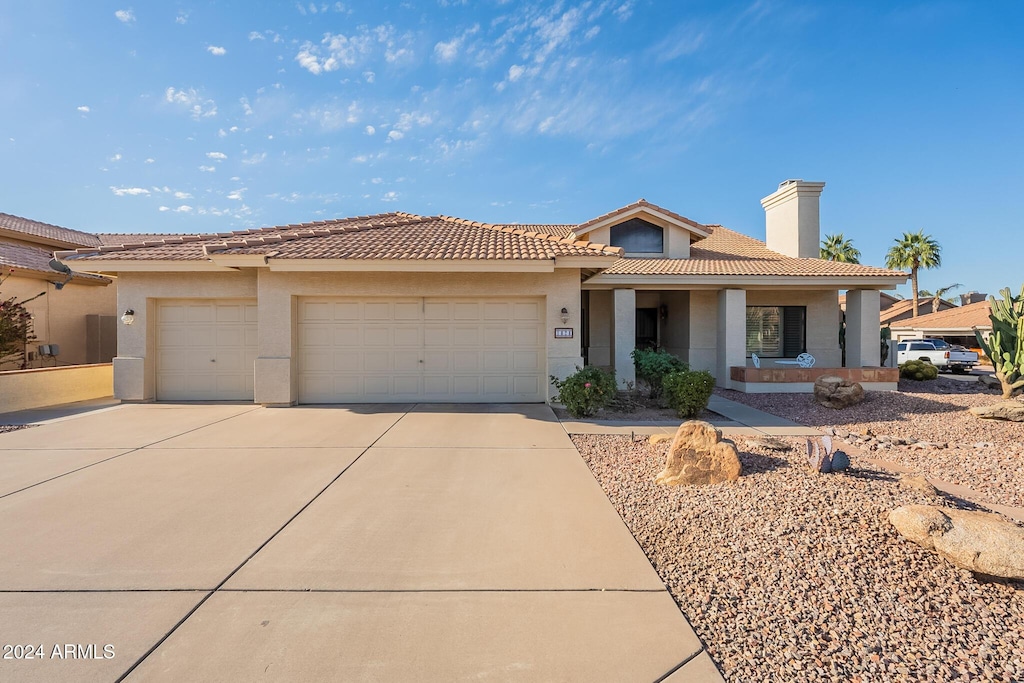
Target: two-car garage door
x=421 y=349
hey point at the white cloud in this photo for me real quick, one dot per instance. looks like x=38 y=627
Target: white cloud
x=237 y=194
x=515 y=72
x=376 y=181
x=199 y=107
x=246 y=107
x=219 y=156
x=150 y=160
x=182 y=17
x=216 y=50
x=256 y=35
x=164 y=208
x=184 y=208
x=125 y=16
x=182 y=195
x=129 y=191
x=370 y=130
x=390 y=196
x=369 y=76
x=208 y=169
x=395 y=135
x=116 y=157
x=84 y=109
x=254 y=159
x=337 y=50
x=447 y=52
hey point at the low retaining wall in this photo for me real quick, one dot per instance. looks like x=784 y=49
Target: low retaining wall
x=801 y=380
x=25 y=389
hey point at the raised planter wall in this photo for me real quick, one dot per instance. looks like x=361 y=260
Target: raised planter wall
x=25 y=389
x=801 y=380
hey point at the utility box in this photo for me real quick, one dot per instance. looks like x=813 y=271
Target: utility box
x=100 y=338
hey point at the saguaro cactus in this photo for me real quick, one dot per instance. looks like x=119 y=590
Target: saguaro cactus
x=1005 y=346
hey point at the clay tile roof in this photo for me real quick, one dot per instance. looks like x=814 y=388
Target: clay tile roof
x=418 y=238
x=958 y=317
x=48 y=232
x=35 y=260
x=559 y=230
x=905 y=309
x=118 y=238
x=726 y=252
x=643 y=203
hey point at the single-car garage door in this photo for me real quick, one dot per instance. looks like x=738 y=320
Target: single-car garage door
x=421 y=349
x=205 y=349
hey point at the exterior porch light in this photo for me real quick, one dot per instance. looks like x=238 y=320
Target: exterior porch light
x=129 y=317
x=565 y=315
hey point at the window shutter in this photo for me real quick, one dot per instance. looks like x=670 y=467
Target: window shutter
x=794 y=331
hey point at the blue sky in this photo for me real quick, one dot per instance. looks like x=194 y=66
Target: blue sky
x=202 y=116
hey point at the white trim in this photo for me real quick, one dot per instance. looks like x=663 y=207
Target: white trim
x=661 y=220
x=238 y=260
x=412 y=265
x=606 y=281
x=97 y=266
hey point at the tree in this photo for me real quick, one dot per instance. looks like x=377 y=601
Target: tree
x=915 y=250
x=939 y=293
x=15 y=327
x=838 y=248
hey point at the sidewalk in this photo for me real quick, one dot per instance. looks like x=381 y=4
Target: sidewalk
x=57 y=412
x=737 y=420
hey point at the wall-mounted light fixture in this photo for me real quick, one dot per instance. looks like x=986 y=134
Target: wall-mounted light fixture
x=664 y=312
x=565 y=315
x=129 y=317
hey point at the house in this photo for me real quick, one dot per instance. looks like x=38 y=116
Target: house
x=74 y=313
x=399 y=307
x=956 y=325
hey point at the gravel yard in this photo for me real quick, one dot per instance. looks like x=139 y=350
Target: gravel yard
x=788 y=575
x=13 y=428
x=985 y=455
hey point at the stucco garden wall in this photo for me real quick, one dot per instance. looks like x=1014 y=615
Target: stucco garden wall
x=25 y=389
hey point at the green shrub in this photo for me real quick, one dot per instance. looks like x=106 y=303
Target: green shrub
x=689 y=391
x=918 y=370
x=586 y=391
x=653 y=366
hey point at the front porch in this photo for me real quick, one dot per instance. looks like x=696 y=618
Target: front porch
x=718 y=329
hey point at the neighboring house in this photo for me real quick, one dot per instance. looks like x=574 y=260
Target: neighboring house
x=956 y=325
x=76 y=314
x=903 y=310
x=403 y=308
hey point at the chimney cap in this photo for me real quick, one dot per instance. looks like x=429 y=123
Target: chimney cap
x=791 y=181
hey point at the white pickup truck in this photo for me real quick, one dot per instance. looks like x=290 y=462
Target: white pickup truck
x=937 y=352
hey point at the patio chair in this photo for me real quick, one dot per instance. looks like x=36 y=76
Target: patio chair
x=804 y=360
x=755 y=360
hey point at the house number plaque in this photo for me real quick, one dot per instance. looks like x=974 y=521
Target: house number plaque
x=563 y=333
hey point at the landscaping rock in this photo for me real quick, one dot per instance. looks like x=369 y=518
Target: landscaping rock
x=1011 y=411
x=660 y=438
x=991 y=381
x=835 y=392
x=699 y=455
x=918 y=483
x=981 y=542
x=769 y=443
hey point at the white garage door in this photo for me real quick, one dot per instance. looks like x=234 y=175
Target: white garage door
x=205 y=350
x=421 y=349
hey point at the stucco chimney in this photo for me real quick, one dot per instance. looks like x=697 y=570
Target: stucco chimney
x=791 y=219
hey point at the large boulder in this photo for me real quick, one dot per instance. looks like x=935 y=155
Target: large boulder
x=981 y=542
x=990 y=381
x=1012 y=411
x=836 y=392
x=699 y=455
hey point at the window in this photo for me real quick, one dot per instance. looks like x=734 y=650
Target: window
x=637 y=236
x=777 y=331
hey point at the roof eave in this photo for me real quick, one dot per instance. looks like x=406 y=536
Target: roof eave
x=689 y=281
x=412 y=265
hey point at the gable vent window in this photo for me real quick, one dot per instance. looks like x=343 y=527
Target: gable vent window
x=777 y=331
x=637 y=236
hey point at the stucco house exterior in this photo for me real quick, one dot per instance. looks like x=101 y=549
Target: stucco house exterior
x=403 y=308
x=76 y=314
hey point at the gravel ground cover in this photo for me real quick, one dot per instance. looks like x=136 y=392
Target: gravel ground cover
x=13 y=428
x=985 y=455
x=788 y=575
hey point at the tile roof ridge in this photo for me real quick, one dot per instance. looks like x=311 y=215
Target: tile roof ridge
x=315 y=229
x=510 y=229
x=44 y=224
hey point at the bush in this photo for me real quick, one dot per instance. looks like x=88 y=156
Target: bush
x=689 y=391
x=586 y=391
x=918 y=370
x=653 y=366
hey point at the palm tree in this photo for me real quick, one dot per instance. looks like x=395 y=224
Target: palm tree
x=939 y=293
x=914 y=250
x=838 y=248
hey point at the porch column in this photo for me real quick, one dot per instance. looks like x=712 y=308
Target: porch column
x=624 y=335
x=862 y=328
x=732 y=333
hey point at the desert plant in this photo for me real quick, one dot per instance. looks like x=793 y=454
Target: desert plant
x=1005 y=345
x=15 y=328
x=885 y=335
x=586 y=391
x=919 y=370
x=839 y=248
x=653 y=366
x=688 y=391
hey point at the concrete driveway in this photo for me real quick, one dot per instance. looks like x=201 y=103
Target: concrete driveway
x=373 y=543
